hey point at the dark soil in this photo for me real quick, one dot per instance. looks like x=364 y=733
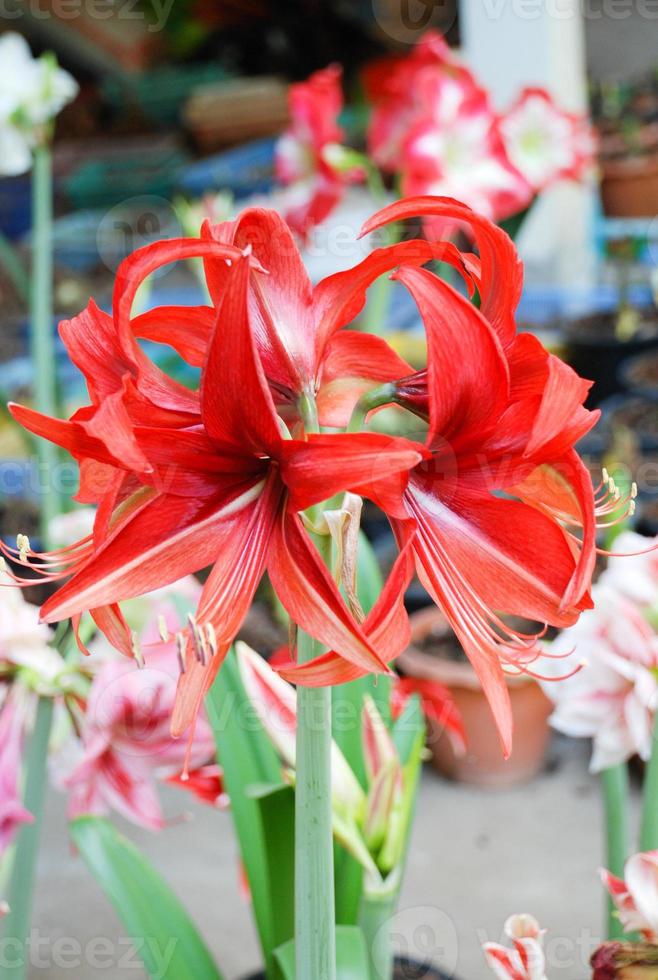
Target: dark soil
x=404 y=970
x=260 y=630
x=601 y=327
x=442 y=644
x=637 y=414
x=643 y=373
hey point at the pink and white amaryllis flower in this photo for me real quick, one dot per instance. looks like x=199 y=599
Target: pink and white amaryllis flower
x=304 y=153
x=526 y=961
x=544 y=142
x=612 y=699
x=455 y=149
x=633 y=570
x=126 y=742
x=636 y=897
x=398 y=97
x=13 y=720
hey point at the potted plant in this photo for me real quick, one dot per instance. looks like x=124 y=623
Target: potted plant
x=436 y=655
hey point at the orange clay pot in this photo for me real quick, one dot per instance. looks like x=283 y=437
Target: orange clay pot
x=483 y=764
x=629 y=186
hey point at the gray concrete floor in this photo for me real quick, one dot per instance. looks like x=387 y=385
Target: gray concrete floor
x=476 y=857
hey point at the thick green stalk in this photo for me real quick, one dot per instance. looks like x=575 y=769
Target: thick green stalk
x=375 y=913
x=42 y=338
x=16 y=926
x=649 y=828
x=614 y=782
x=315 y=929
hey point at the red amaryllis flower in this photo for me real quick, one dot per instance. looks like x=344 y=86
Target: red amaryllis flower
x=497 y=506
x=303 y=352
x=199 y=478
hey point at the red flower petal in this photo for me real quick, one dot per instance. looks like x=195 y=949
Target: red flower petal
x=324 y=465
x=236 y=403
x=309 y=594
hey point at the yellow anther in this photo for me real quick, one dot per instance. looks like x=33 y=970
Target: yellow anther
x=631 y=508
x=162 y=629
x=180 y=651
x=23 y=545
x=605 y=475
x=633 y=490
x=211 y=637
x=137 y=650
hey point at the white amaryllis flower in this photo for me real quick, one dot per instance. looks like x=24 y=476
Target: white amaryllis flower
x=634 y=573
x=612 y=699
x=32 y=92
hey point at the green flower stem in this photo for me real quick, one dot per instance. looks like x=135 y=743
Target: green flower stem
x=315 y=905
x=16 y=926
x=649 y=826
x=375 y=913
x=614 y=782
x=375 y=398
x=315 y=930
x=42 y=339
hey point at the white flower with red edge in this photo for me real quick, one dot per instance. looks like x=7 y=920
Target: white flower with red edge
x=305 y=154
x=455 y=150
x=526 y=960
x=543 y=142
x=636 y=896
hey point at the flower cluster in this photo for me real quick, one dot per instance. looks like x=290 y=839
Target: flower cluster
x=435 y=125
x=122 y=746
x=32 y=92
x=614 y=697
x=492 y=505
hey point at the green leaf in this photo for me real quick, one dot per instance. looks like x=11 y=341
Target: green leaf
x=347 y=705
x=347 y=702
x=249 y=761
x=276 y=810
x=351 y=956
x=172 y=948
x=409 y=738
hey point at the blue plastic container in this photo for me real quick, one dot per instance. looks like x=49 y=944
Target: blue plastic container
x=15 y=206
x=243 y=170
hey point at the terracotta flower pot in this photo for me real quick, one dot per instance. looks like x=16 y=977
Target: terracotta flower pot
x=483 y=764
x=629 y=186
